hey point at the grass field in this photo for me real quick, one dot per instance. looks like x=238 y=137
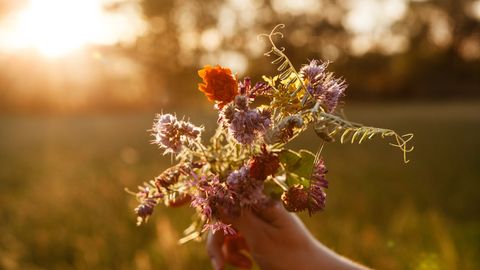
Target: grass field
x=62 y=203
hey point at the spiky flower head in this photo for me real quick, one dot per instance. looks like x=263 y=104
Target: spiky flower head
x=322 y=85
x=263 y=164
x=173 y=134
x=295 y=199
x=243 y=123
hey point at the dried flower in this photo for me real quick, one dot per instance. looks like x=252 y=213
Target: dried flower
x=145 y=210
x=180 y=200
x=219 y=85
x=148 y=198
x=173 y=134
x=295 y=199
x=172 y=175
x=319 y=171
x=264 y=164
x=316 y=198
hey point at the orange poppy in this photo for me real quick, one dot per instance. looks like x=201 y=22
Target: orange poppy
x=219 y=85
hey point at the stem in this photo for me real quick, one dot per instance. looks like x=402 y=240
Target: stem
x=280 y=184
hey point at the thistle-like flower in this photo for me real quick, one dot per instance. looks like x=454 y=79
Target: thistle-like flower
x=295 y=199
x=173 y=134
x=264 y=164
x=244 y=124
x=322 y=85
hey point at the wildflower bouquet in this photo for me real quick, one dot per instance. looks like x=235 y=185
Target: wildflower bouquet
x=246 y=163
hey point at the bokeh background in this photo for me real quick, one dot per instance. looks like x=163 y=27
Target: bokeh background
x=81 y=81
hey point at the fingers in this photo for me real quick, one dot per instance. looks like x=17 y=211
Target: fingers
x=275 y=215
x=235 y=250
x=214 y=249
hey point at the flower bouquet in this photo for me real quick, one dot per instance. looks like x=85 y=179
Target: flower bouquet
x=246 y=163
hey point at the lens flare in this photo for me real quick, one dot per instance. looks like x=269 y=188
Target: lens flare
x=57 y=27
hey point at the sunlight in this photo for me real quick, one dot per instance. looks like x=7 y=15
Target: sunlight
x=57 y=27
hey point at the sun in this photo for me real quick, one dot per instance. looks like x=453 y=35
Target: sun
x=58 y=27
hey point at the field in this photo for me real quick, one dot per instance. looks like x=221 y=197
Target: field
x=63 y=204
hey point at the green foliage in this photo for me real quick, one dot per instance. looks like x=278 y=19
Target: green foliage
x=288 y=74
x=330 y=125
x=298 y=166
x=288 y=85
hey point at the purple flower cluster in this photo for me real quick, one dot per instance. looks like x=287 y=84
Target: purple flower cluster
x=317 y=196
x=260 y=88
x=172 y=134
x=148 y=198
x=248 y=191
x=212 y=196
x=322 y=85
x=243 y=123
x=219 y=226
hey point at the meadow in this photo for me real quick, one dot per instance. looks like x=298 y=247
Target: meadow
x=63 y=204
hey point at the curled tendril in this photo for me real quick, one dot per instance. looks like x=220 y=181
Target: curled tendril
x=270 y=36
x=285 y=66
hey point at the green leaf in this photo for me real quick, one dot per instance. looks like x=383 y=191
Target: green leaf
x=294 y=179
x=298 y=166
x=289 y=159
x=271 y=189
x=305 y=165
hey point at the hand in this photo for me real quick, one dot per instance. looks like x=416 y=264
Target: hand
x=276 y=239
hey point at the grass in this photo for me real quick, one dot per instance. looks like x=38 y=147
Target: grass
x=62 y=203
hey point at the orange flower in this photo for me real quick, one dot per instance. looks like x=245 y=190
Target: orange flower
x=218 y=85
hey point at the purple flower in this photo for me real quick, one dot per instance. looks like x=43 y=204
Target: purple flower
x=319 y=171
x=317 y=198
x=322 y=85
x=148 y=197
x=173 y=134
x=244 y=124
x=212 y=195
x=314 y=72
x=246 y=89
x=248 y=191
x=145 y=209
x=219 y=226
x=335 y=89
x=318 y=182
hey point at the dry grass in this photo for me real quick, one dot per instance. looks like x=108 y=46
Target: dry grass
x=63 y=205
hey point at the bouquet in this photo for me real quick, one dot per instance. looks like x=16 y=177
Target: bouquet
x=246 y=163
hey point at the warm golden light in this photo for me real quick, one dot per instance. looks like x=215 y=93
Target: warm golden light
x=57 y=27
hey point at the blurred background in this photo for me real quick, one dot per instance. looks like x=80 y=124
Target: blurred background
x=81 y=81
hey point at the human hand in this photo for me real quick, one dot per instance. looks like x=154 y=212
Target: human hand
x=276 y=239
